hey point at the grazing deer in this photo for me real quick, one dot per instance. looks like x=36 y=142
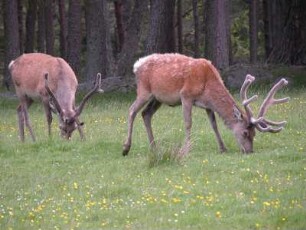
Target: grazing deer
x=38 y=75
x=175 y=79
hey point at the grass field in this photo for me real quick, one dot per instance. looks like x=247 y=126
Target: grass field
x=55 y=184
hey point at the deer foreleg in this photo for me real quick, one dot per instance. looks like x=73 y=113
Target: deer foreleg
x=80 y=128
x=147 y=114
x=48 y=113
x=133 y=110
x=27 y=120
x=20 y=122
x=212 y=119
x=187 y=109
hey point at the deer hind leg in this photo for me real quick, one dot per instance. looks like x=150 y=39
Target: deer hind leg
x=187 y=110
x=212 y=119
x=133 y=110
x=147 y=114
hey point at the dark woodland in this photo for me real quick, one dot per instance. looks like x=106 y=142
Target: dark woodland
x=108 y=36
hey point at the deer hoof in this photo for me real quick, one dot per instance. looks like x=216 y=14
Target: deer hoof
x=223 y=150
x=126 y=150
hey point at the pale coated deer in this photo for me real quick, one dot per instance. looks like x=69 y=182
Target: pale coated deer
x=38 y=75
x=175 y=79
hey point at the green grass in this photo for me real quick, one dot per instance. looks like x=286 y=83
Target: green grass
x=58 y=184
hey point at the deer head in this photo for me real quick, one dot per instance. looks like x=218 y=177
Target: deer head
x=246 y=134
x=69 y=122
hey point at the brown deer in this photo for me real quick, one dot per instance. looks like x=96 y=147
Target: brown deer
x=175 y=79
x=38 y=75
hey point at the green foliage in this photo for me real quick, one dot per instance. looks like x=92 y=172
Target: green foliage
x=58 y=184
x=240 y=35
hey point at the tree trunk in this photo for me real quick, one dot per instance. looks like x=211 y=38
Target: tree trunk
x=99 y=50
x=216 y=40
x=63 y=28
x=253 y=36
x=126 y=11
x=161 y=36
x=74 y=40
x=285 y=31
x=119 y=24
x=179 y=26
x=265 y=6
x=11 y=33
x=41 y=32
x=228 y=30
x=49 y=26
x=30 y=26
x=196 y=28
x=20 y=24
x=131 y=43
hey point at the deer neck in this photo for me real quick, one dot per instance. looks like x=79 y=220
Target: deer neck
x=222 y=102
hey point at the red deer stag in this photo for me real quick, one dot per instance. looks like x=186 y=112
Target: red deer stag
x=176 y=79
x=37 y=75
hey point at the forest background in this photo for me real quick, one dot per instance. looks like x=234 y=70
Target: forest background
x=109 y=36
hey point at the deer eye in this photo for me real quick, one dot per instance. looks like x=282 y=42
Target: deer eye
x=245 y=133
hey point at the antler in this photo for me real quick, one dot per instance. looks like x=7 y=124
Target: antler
x=96 y=88
x=56 y=104
x=261 y=123
x=266 y=125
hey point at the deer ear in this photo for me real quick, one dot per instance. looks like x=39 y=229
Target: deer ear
x=237 y=114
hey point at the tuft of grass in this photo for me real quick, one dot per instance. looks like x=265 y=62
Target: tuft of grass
x=164 y=155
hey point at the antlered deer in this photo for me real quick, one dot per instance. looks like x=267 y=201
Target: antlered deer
x=38 y=75
x=175 y=79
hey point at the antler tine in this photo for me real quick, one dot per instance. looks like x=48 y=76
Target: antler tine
x=270 y=100
x=96 y=88
x=263 y=124
x=243 y=95
x=56 y=104
x=274 y=123
x=268 y=128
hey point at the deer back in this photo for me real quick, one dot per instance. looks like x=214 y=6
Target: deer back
x=167 y=75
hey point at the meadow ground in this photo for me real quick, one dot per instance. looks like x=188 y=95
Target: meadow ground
x=58 y=184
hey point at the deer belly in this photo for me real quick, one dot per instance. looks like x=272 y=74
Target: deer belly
x=30 y=93
x=169 y=99
x=201 y=104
